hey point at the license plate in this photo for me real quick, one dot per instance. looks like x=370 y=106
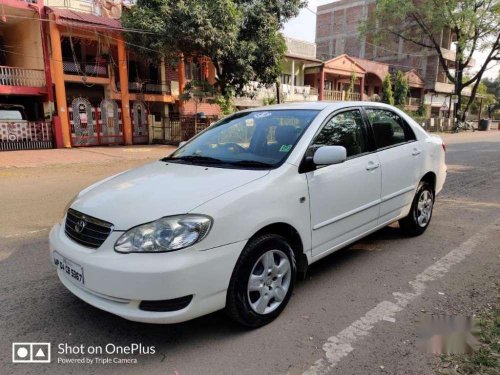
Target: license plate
x=71 y=269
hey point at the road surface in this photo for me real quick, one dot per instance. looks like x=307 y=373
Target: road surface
x=357 y=312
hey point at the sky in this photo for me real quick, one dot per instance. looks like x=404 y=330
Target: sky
x=304 y=27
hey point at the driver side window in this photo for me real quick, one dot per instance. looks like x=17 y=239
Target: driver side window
x=344 y=129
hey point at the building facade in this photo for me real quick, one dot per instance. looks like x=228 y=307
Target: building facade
x=337 y=33
x=68 y=78
x=292 y=86
x=25 y=95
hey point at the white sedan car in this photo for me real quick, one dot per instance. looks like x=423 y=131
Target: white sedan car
x=230 y=219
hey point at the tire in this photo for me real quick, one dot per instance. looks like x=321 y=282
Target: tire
x=257 y=305
x=420 y=214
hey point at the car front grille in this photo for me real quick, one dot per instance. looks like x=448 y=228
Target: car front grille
x=86 y=230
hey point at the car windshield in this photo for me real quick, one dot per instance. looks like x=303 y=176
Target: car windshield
x=11 y=114
x=258 y=139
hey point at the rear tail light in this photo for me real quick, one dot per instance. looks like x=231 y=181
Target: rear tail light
x=444 y=147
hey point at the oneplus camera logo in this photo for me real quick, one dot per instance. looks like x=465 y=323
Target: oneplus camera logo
x=31 y=352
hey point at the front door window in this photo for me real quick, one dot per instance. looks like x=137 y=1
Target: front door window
x=344 y=129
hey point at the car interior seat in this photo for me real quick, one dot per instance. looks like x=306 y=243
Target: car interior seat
x=383 y=133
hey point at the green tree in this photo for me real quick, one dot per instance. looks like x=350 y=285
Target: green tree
x=483 y=101
x=387 y=96
x=493 y=89
x=473 y=23
x=225 y=104
x=241 y=37
x=401 y=89
x=352 y=83
x=199 y=92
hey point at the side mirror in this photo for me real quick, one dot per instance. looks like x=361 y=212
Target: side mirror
x=182 y=144
x=328 y=155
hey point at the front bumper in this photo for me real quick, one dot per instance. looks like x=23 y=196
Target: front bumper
x=117 y=283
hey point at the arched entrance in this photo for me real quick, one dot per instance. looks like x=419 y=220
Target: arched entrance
x=140 y=122
x=111 y=131
x=82 y=122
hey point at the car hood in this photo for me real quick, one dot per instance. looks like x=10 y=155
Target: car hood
x=156 y=190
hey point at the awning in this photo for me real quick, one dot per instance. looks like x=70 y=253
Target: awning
x=68 y=17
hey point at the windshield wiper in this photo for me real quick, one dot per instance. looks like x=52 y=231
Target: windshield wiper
x=195 y=159
x=251 y=163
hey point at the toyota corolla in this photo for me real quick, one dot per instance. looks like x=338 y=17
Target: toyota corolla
x=232 y=218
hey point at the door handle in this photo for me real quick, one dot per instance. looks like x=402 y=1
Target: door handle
x=416 y=152
x=372 y=166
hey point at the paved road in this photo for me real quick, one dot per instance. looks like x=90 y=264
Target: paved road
x=356 y=313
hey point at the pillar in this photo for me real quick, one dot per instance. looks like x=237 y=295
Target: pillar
x=362 y=88
x=125 y=96
x=321 y=90
x=181 y=69
x=293 y=75
x=58 y=72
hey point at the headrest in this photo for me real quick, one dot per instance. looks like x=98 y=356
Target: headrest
x=286 y=135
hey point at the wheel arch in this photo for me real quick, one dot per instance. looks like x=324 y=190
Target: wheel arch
x=293 y=238
x=430 y=178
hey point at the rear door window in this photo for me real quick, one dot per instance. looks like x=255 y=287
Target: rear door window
x=389 y=129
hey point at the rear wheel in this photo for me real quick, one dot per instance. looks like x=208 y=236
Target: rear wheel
x=420 y=214
x=262 y=281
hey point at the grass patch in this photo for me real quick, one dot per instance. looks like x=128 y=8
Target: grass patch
x=486 y=359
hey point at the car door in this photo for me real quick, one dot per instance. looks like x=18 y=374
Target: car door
x=400 y=157
x=344 y=198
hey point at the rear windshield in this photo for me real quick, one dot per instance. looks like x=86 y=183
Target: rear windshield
x=11 y=114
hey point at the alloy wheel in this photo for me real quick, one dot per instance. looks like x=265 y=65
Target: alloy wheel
x=269 y=282
x=424 y=208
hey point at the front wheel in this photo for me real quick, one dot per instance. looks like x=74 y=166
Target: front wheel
x=420 y=214
x=262 y=281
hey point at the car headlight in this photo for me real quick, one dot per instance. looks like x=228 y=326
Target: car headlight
x=166 y=234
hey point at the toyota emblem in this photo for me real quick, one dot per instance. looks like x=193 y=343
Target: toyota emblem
x=80 y=226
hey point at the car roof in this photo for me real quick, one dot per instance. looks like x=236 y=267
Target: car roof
x=319 y=106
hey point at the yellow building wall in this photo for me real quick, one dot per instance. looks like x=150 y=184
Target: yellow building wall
x=78 y=5
x=24 y=40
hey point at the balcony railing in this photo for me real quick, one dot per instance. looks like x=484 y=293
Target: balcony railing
x=12 y=76
x=299 y=93
x=353 y=96
x=147 y=87
x=334 y=95
x=298 y=90
x=88 y=69
x=78 y=5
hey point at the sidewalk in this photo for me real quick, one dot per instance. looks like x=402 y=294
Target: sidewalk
x=83 y=155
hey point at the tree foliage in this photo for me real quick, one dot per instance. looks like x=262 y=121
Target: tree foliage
x=387 y=95
x=401 y=89
x=241 y=37
x=198 y=91
x=475 y=25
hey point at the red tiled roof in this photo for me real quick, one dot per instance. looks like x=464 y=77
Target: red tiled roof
x=68 y=17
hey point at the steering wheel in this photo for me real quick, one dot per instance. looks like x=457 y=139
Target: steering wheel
x=232 y=147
